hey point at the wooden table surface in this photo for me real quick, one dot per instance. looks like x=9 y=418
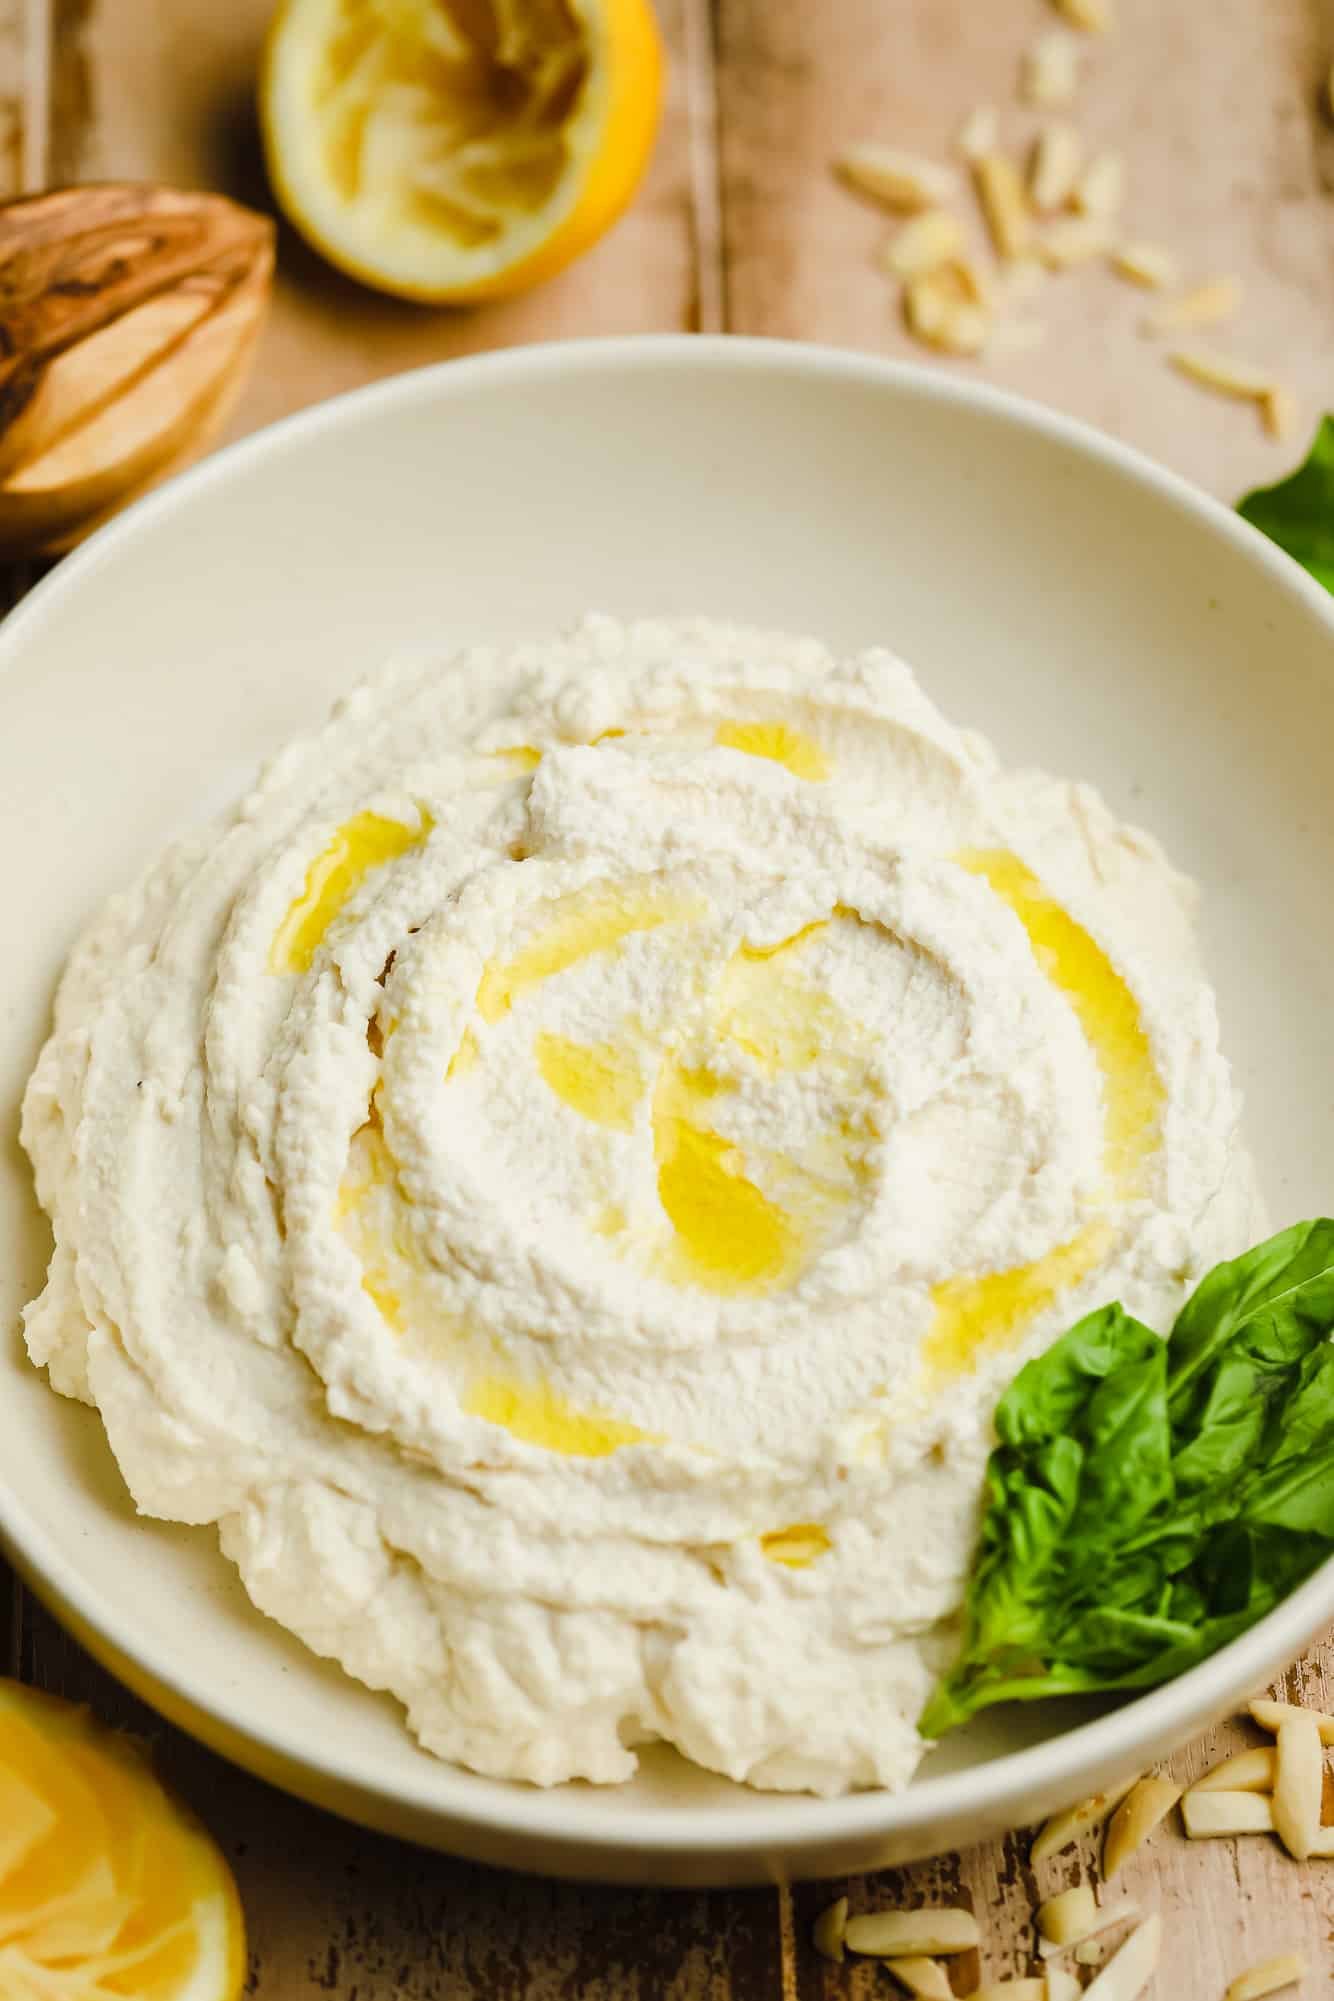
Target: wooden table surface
x=740 y=227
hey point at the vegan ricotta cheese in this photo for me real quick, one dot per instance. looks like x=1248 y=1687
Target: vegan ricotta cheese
x=562 y=1175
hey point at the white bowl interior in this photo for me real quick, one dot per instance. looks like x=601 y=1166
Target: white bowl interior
x=1088 y=613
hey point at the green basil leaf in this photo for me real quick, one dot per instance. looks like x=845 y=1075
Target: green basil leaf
x=1306 y=1422
x=1298 y=513
x=1297 y=1495
x=1284 y=1288
x=1229 y=1425
x=1128 y=1449
x=1048 y=1391
x=1036 y=1486
x=1148 y=1499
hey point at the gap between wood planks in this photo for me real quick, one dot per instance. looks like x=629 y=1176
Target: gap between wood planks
x=699 y=25
x=11 y=1616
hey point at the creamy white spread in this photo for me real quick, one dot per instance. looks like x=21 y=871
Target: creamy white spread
x=562 y=1175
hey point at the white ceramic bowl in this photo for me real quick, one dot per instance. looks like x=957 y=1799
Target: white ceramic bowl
x=1087 y=610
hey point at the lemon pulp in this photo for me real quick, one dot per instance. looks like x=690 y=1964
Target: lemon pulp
x=452 y=151
x=107 y=1886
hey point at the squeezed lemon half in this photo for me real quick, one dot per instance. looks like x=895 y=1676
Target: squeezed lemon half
x=458 y=150
x=107 y=1885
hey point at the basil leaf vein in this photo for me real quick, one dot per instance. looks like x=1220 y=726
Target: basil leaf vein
x=1149 y=1499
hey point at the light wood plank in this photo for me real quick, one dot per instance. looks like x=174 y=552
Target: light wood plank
x=22 y=97
x=164 y=94
x=167 y=93
x=1230 y=163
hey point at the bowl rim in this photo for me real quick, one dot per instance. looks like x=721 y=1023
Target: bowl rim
x=568 y=1816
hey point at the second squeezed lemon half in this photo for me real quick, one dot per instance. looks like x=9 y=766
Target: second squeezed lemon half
x=108 y=1886
x=458 y=150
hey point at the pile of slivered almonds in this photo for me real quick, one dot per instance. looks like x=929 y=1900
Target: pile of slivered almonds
x=1274 y=1789
x=1058 y=212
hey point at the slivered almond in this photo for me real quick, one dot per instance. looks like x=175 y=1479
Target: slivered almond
x=912 y=1934
x=1279 y=410
x=901 y=181
x=1138 y=1814
x=1207 y=1814
x=1222 y=374
x=978 y=132
x=1090 y=1952
x=929 y=239
x=1246 y=1772
x=829 y=1928
x=926 y=306
x=1106 y=1918
x=1012 y=1990
x=1129 y=1971
x=1000 y=191
x=1071 y=1915
x=1202 y=306
x=971 y=279
x=1145 y=264
x=1057 y=157
x=1299 y=1774
x=1267 y=1977
x=1101 y=187
x=1269 y=1715
x=1323 y=1845
x=943 y=308
x=924 y=1977
x=1063 y=1828
x=1064 y=244
x=1093 y=16
x=965 y=330
x=1050 y=70
x=1061 y=1985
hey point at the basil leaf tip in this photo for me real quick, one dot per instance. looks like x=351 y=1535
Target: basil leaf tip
x=1149 y=1499
x=1298 y=513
